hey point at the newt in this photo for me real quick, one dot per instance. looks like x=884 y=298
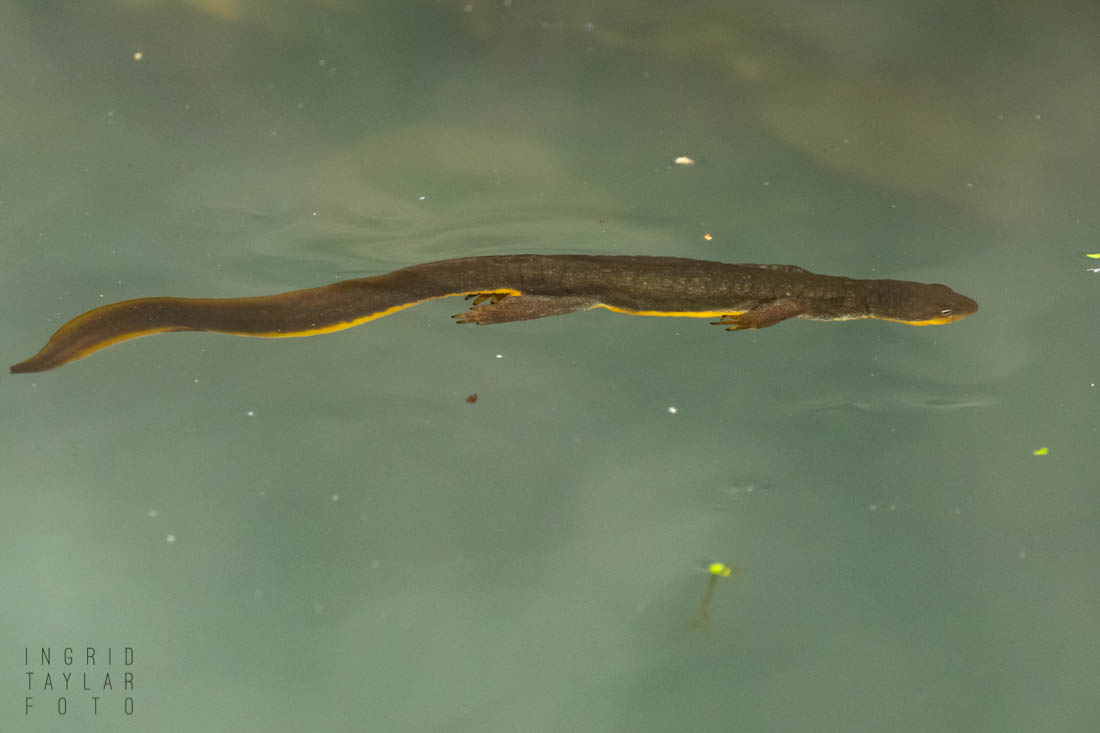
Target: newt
x=507 y=288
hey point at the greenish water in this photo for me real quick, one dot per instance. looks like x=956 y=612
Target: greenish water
x=322 y=534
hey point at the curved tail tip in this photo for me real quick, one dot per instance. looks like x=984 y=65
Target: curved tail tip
x=25 y=367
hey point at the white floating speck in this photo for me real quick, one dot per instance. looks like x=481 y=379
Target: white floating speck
x=170 y=539
x=672 y=410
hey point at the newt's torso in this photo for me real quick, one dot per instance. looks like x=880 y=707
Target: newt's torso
x=510 y=288
x=747 y=296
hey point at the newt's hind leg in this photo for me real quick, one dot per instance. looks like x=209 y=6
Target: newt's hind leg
x=508 y=308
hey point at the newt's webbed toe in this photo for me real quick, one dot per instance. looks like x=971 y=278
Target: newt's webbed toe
x=484 y=310
x=733 y=323
x=480 y=315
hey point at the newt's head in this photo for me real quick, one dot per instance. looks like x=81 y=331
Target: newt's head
x=918 y=304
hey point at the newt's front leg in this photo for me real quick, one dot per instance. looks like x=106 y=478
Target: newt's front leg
x=762 y=316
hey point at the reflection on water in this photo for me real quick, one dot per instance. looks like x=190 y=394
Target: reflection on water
x=950 y=126
x=894 y=401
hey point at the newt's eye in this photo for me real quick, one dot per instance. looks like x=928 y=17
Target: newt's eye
x=945 y=312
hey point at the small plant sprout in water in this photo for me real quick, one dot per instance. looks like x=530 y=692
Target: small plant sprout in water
x=715 y=572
